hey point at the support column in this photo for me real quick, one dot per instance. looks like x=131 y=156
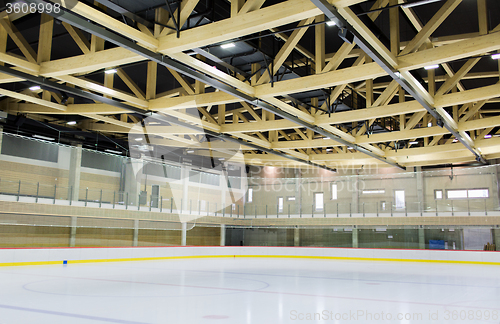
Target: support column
x=75 y=165
x=355 y=193
x=298 y=191
x=1 y=137
x=183 y=234
x=354 y=237
x=222 y=235
x=420 y=187
x=185 y=189
x=72 y=234
x=136 y=232
x=421 y=238
x=296 y=237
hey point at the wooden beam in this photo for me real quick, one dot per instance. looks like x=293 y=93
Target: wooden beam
x=79 y=38
x=86 y=84
x=45 y=38
x=32 y=99
x=319 y=43
x=19 y=39
x=431 y=26
x=151 y=80
x=131 y=84
x=285 y=50
x=187 y=7
x=103 y=19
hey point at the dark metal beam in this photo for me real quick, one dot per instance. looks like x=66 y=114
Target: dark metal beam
x=161 y=59
x=408 y=83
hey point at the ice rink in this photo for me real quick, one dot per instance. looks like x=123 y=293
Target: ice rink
x=250 y=290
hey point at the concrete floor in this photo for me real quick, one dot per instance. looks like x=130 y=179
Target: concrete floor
x=250 y=290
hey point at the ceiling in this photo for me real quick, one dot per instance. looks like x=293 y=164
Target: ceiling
x=328 y=104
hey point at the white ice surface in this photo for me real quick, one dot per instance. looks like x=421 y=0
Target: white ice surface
x=250 y=290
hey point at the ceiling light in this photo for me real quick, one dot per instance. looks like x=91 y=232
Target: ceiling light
x=228 y=45
x=349 y=147
x=110 y=71
x=495 y=56
x=431 y=67
x=429 y=124
x=71 y=122
x=44 y=137
x=329 y=150
x=331 y=23
x=113 y=151
x=138 y=139
x=455 y=140
x=418 y=3
x=413 y=143
x=35 y=88
x=221 y=159
x=190 y=151
x=487 y=136
x=327 y=138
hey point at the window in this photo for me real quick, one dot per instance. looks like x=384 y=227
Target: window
x=438 y=194
x=290 y=198
x=203 y=205
x=399 y=197
x=318 y=201
x=374 y=191
x=478 y=193
x=280 y=204
x=464 y=193
x=250 y=195
x=334 y=191
x=456 y=194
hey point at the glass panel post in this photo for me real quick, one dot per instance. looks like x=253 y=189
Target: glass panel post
x=38 y=190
